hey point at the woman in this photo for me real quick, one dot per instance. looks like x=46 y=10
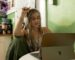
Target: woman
x=32 y=33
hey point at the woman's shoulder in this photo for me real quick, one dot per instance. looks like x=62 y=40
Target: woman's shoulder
x=46 y=30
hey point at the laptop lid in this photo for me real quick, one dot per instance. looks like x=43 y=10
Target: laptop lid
x=57 y=46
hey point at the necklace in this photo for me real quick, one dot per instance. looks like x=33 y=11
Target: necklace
x=36 y=39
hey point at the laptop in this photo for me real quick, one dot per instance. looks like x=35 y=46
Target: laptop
x=57 y=46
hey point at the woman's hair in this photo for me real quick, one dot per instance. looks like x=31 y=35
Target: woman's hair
x=30 y=15
x=31 y=12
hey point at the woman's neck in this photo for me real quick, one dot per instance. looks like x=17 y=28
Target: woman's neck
x=35 y=29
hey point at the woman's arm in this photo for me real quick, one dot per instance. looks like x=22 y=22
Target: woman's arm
x=18 y=29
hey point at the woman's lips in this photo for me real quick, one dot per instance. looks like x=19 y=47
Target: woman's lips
x=37 y=24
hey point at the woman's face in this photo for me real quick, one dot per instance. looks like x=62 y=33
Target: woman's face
x=35 y=20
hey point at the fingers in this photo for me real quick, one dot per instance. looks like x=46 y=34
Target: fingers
x=25 y=9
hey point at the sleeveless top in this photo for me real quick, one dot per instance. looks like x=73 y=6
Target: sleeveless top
x=34 y=44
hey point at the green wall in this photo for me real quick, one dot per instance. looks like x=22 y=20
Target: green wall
x=0 y=20
x=61 y=17
x=11 y=16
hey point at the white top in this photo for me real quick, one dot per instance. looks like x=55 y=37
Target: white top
x=29 y=56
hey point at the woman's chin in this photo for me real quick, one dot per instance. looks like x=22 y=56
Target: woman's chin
x=37 y=26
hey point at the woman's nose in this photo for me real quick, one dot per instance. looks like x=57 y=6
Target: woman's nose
x=37 y=20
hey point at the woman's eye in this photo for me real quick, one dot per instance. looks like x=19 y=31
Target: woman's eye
x=38 y=18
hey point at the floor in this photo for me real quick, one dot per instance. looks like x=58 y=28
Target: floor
x=4 y=43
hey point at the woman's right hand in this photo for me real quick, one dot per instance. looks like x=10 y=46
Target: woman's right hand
x=24 y=12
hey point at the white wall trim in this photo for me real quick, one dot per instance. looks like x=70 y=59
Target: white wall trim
x=11 y=10
x=41 y=6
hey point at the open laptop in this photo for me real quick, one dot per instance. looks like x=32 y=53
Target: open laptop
x=57 y=46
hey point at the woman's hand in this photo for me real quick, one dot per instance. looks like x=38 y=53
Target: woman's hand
x=24 y=12
x=18 y=25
